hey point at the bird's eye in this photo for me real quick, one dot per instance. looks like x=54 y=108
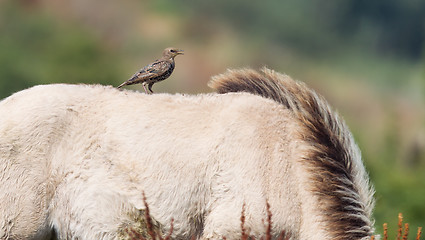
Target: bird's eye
x=172 y=50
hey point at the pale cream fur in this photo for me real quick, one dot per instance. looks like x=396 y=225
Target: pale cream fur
x=77 y=158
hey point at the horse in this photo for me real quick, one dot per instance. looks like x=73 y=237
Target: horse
x=76 y=161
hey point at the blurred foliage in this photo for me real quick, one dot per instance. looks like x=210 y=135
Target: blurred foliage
x=366 y=57
x=39 y=49
x=390 y=27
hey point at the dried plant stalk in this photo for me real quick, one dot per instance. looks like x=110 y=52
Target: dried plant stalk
x=168 y=237
x=400 y=226
x=385 y=231
x=134 y=234
x=406 y=231
x=244 y=235
x=149 y=224
x=269 y=222
x=418 y=235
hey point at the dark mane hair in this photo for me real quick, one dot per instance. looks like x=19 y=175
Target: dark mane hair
x=338 y=177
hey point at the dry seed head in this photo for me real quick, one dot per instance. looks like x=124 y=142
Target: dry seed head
x=400 y=226
x=406 y=231
x=418 y=235
x=385 y=231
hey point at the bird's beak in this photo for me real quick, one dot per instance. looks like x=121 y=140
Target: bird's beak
x=180 y=52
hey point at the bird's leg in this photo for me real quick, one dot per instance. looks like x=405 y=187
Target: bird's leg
x=144 y=87
x=150 y=87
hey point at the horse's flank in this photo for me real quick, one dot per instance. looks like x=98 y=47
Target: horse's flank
x=76 y=159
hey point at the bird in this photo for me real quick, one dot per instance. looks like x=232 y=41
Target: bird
x=157 y=71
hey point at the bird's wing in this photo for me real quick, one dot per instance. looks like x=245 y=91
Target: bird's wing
x=158 y=67
x=154 y=69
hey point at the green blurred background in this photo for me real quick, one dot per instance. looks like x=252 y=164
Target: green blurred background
x=366 y=57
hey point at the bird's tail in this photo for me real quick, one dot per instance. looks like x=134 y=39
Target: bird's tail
x=130 y=81
x=122 y=84
x=334 y=162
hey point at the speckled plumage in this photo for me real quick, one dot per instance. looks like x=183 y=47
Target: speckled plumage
x=157 y=71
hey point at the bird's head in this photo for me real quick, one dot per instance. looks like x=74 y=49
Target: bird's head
x=171 y=52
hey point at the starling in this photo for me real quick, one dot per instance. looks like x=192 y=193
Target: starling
x=157 y=71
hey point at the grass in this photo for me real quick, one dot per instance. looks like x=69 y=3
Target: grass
x=152 y=230
x=402 y=231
